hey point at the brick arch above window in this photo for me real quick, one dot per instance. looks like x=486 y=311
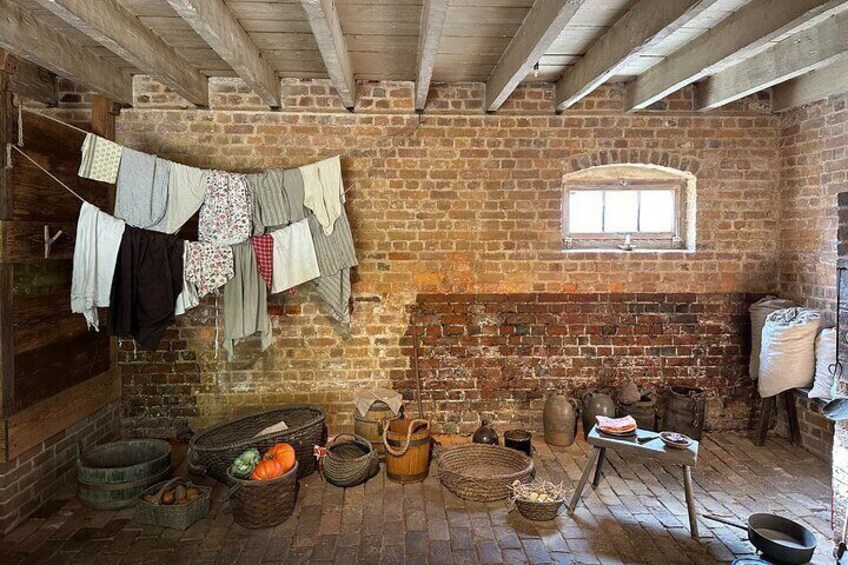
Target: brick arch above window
x=664 y=159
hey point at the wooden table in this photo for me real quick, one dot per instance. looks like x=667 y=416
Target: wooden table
x=654 y=449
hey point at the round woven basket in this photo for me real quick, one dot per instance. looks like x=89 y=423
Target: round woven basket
x=262 y=504
x=483 y=472
x=350 y=461
x=537 y=511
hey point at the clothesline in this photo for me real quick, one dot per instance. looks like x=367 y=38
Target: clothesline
x=51 y=175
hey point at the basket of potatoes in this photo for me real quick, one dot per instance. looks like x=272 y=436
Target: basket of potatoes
x=537 y=500
x=176 y=503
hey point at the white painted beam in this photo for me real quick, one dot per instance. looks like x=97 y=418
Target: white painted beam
x=432 y=23
x=216 y=24
x=744 y=33
x=641 y=28
x=811 y=49
x=829 y=81
x=24 y=35
x=324 y=21
x=540 y=28
x=116 y=28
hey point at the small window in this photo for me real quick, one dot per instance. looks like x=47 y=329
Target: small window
x=623 y=216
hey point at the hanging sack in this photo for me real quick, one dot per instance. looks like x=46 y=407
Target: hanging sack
x=787 y=355
x=759 y=310
x=825 y=359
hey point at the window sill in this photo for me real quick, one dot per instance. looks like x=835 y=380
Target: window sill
x=623 y=252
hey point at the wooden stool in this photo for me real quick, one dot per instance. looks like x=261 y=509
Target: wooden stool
x=766 y=407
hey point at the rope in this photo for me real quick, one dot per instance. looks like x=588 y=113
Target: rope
x=403 y=451
x=48 y=173
x=57 y=120
x=20 y=126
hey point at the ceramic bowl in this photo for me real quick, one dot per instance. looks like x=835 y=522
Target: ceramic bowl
x=675 y=440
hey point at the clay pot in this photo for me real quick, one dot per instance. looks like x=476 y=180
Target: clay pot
x=559 y=418
x=485 y=434
x=629 y=393
x=595 y=404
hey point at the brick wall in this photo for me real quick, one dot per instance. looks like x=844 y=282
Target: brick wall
x=30 y=480
x=454 y=201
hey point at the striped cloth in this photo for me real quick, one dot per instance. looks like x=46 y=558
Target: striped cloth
x=336 y=255
x=277 y=198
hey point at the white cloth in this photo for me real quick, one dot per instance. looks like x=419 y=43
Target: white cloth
x=141 y=198
x=825 y=359
x=95 y=253
x=188 y=298
x=787 y=355
x=294 y=257
x=186 y=189
x=390 y=398
x=323 y=191
x=100 y=159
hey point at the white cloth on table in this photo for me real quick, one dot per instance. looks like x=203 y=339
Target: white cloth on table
x=323 y=191
x=186 y=190
x=294 y=257
x=100 y=159
x=95 y=253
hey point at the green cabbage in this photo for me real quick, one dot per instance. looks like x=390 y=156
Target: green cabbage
x=243 y=465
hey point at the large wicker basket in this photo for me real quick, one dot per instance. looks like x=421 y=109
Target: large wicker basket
x=174 y=516
x=350 y=461
x=213 y=450
x=483 y=472
x=263 y=504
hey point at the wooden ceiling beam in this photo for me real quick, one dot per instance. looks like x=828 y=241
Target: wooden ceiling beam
x=540 y=28
x=742 y=34
x=23 y=34
x=641 y=28
x=811 y=49
x=327 y=29
x=829 y=81
x=111 y=25
x=216 y=24
x=432 y=23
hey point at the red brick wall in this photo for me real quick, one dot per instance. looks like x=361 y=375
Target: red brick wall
x=455 y=201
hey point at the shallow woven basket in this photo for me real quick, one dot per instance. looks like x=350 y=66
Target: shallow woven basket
x=483 y=472
x=177 y=516
x=263 y=504
x=538 y=511
x=213 y=450
x=350 y=461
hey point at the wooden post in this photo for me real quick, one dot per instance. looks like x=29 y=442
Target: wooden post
x=8 y=134
x=103 y=112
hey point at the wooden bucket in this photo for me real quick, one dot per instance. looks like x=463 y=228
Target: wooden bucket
x=407 y=444
x=112 y=475
x=685 y=410
x=371 y=426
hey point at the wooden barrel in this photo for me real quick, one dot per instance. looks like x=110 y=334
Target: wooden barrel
x=407 y=444
x=685 y=410
x=371 y=426
x=112 y=475
x=644 y=412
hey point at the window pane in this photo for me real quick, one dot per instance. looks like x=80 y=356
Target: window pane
x=620 y=211
x=656 y=213
x=585 y=211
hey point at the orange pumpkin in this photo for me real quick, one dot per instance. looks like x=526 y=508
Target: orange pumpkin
x=267 y=469
x=282 y=453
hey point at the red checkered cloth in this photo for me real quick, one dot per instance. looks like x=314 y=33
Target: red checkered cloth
x=263 y=247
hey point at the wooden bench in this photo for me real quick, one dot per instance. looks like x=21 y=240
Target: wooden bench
x=769 y=404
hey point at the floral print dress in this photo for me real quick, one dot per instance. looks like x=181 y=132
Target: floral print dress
x=225 y=217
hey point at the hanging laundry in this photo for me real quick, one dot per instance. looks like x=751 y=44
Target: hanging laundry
x=142 y=194
x=186 y=189
x=208 y=266
x=95 y=253
x=188 y=298
x=335 y=291
x=294 y=257
x=100 y=159
x=277 y=198
x=245 y=301
x=323 y=191
x=148 y=279
x=225 y=217
x=263 y=248
x=336 y=255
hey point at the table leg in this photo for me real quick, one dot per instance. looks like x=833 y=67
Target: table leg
x=590 y=462
x=602 y=458
x=690 y=500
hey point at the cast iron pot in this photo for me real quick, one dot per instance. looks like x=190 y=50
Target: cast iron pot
x=779 y=539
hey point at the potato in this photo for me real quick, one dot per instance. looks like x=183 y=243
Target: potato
x=179 y=493
x=168 y=497
x=151 y=498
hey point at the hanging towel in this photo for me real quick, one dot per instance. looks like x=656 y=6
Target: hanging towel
x=225 y=217
x=336 y=255
x=277 y=198
x=95 y=253
x=208 y=266
x=263 y=248
x=188 y=298
x=142 y=195
x=323 y=192
x=186 y=189
x=336 y=292
x=294 y=257
x=100 y=159
x=148 y=279
x=245 y=301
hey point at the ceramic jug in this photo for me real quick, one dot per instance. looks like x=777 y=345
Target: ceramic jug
x=595 y=404
x=559 y=418
x=485 y=434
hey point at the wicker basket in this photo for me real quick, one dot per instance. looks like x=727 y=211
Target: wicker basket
x=350 y=461
x=537 y=511
x=263 y=504
x=483 y=472
x=213 y=450
x=178 y=517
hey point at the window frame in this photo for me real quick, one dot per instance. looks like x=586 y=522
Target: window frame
x=673 y=240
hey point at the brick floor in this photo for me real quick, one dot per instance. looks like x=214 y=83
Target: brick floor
x=636 y=515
